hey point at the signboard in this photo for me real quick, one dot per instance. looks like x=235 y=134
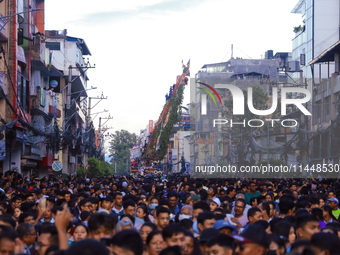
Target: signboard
x=54 y=84
x=57 y=166
x=150 y=126
x=42 y=97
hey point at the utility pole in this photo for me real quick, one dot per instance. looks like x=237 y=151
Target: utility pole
x=232 y=51
x=68 y=95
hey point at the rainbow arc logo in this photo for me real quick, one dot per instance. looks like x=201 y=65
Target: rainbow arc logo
x=209 y=93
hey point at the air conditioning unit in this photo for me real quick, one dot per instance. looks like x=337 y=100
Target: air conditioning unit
x=294 y=66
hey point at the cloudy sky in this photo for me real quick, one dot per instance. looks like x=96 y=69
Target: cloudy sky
x=138 y=45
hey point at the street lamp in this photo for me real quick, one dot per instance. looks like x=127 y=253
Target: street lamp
x=12 y=15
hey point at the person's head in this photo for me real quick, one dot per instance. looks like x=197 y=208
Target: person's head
x=142 y=212
x=85 y=205
x=173 y=199
x=123 y=224
x=306 y=226
x=199 y=207
x=327 y=212
x=325 y=243
x=101 y=225
x=253 y=240
x=286 y=230
x=189 y=243
x=7 y=220
x=215 y=203
x=16 y=202
x=67 y=196
x=80 y=232
x=47 y=237
x=253 y=202
x=162 y=217
x=240 y=205
x=7 y=241
x=48 y=213
x=318 y=213
x=231 y=192
x=107 y=203
x=333 y=203
x=88 y=247
x=146 y=229
x=27 y=234
x=118 y=199
x=17 y=212
x=127 y=242
x=322 y=201
x=205 y=220
x=221 y=245
x=276 y=244
x=154 y=242
x=286 y=204
x=174 y=235
x=254 y=214
x=129 y=207
x=252 y=186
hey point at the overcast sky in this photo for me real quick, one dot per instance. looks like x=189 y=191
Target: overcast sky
x=138 y=45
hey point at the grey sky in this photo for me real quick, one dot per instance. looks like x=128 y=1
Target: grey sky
x=138 y=46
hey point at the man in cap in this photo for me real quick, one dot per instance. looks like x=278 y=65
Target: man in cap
x=252 y=241
x=224 y=227
x=215 y=203
x=333 y=203
x=107 y=203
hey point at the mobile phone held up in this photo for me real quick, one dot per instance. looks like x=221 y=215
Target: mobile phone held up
x=195 y=197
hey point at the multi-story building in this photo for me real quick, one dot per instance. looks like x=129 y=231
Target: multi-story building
x=315 y=46
x=211 y=146
x=68 y=56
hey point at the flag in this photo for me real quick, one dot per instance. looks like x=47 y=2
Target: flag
x=183 y=64
x=188 y=65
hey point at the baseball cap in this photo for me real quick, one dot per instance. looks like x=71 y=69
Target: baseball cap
x=208 y=233
x=223 y=224
x=216 y=200
x=253 y=234
x=124 y=184
x=334 y=200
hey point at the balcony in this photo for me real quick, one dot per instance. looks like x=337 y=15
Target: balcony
x=3 y=32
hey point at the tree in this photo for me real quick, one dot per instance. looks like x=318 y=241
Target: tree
x=120 y=145
x=96 y=168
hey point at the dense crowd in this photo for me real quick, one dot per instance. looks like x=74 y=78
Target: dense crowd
x=168 y=215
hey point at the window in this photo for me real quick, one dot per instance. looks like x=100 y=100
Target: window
x=53 y=45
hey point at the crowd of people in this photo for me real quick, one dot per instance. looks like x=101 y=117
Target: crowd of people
x=168 y=215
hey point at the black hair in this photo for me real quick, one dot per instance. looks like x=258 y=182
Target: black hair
x=150 y=225
x=252 y=200
x=162 y=209
x=282 y=228
x=266 y=207
x=302 y=220
x=172 y=194
x=125 y=238
x=24 y=229
x=151 y=235
x=253 y=211
x=82 y=225
x=286 y=203
x=230 y=189
x=318 y=213
x=145 y=210
x=171 y=250
x=52 y=230
x=22 y=217
x=222 y=240
x=163 y=202
x=186 y=224
x=172 y=229
x=57 y=208
x=116 y=194
x=8 y=233
x=203 y=216
x=87 y=247
x=83 y=202
x=204 y=194
x=328 y=209
x=201 y=205
x=98 y=220
x=128 y=203
x=279 y=241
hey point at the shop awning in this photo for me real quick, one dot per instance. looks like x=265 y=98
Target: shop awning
x=327 y=55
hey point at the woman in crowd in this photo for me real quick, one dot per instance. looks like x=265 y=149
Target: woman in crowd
x=80 y=232
x=155 y=243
